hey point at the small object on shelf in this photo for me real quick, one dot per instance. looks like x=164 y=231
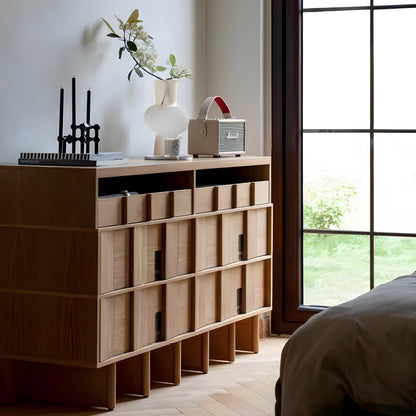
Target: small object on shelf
x=84 y=129
x=165 y=157
x=72 y=159
x=216 y=137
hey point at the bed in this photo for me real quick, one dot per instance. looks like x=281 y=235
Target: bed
x=357 y=358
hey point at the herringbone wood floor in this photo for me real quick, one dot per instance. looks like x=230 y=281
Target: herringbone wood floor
x=245 y=387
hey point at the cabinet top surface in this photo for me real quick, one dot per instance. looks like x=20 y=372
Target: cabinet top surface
x=141 y=166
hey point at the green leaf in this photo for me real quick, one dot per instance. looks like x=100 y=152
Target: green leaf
x=139 y=72
x=133 y=16
x=119 y=20
x=150 y=37
x=108 y=25
x=120 y=52
x=129 y=75
x=131 y=46
x=161 y=68
x=113 y=35
x=172 y=59
x=135 y=21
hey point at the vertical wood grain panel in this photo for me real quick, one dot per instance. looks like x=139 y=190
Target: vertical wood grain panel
x=205 y=299
x=232 y=227
x=231 y=282
x=206 y=243
x=179 y=248
x=115 y=259
x=115 y=326
x=49 y=327
x=257 y=233
x=147 y=302
x=178 y=308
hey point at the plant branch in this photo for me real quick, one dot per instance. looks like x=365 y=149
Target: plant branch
x=137 y=62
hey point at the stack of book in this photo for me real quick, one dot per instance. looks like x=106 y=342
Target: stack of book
x=72 y=159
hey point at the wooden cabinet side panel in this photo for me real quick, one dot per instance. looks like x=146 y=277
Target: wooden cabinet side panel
x=44 y=327
x=57 y=261
x=48 y=196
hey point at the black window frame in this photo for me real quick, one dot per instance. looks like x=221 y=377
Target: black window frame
x=288 y=313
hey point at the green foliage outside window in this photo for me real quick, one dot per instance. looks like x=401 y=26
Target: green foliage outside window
x=326 y=202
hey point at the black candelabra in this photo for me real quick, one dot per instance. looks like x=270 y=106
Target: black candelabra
x=84 y=129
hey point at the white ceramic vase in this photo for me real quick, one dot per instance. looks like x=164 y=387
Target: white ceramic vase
x=165 y=118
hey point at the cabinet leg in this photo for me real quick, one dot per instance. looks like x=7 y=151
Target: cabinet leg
x=222 y=343
x=133 y=375
x=9 y=381
x=59 y=384
x=195 y=353
x=165 y=364
x=247 y=334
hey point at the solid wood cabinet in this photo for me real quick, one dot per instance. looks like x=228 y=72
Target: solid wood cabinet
x=95 y=281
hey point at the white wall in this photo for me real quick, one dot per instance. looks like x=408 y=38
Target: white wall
x=235 y=62
x=46 y=42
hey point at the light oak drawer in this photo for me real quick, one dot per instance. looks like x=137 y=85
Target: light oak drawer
x=135 y=208
x=224 y=197
x=158 y=205
x=242 y=195
x=109 y=211
x=204 y=199
x=181 y=202
x=260 y=193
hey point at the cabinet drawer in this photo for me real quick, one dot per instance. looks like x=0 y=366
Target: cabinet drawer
x=181 y=202
x=231 y=292
x=257 y=286
x=148 y=322
x=205 y=299
x=258 y=232
x=233 y=239
x=109 y=211
x=206 y=243
x=115 y=326
x=224 y=197
x=179 y=248
x=158 y=205
x=114 y=259
x=204 y=199
x=148 y=254
x=260 y=192
x=242 y=195
x=178 y=308
x=135 y=208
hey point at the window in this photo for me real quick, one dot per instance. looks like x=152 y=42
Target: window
x=344 y=137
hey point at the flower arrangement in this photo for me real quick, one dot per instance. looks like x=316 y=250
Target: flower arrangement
x=138 y=43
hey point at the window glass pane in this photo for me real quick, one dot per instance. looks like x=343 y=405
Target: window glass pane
x=336 y=70
x=335 y=268
x=336 y=181
x=308 y=4
x=395 y=183
x=393 y=257
x=394 y=75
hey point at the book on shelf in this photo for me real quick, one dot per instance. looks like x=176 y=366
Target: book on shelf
x=72 y=159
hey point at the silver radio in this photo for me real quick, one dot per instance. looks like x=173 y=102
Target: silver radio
x=216 y=137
